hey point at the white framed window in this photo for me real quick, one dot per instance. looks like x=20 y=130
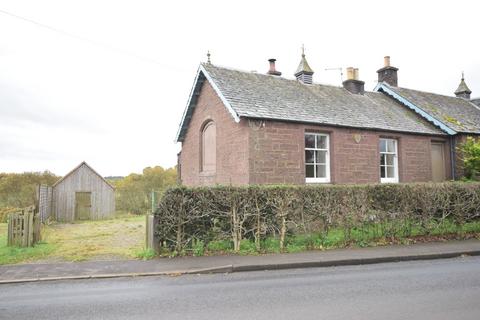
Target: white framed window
x=388 y=161
x=317 y=158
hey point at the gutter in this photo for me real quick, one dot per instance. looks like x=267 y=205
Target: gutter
x=452 y=157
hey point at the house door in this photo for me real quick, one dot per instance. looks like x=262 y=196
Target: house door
x=438 y=162
x=83 y=205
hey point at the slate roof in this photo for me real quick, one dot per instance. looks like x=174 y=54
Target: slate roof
x=458 y=114
x=261 y=96
x=476 y=101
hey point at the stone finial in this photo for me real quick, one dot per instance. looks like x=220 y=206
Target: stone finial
x=208 y=57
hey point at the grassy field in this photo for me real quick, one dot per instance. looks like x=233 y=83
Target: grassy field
x=119 y=238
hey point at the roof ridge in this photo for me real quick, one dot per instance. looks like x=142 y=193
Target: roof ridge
x=422 y=91
x=269 y=75
x=76 y=168
x=469 y=101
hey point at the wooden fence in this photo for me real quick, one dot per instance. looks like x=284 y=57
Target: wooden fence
x=24 y=228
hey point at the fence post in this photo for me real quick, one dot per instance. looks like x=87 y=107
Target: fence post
x=150 y=239
x=154 y=201
x=10 y=230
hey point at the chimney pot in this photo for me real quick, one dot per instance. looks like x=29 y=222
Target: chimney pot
x=272 y=69
x=386 y=61
x=352 y=84
x=355 y=74
x=350 y=73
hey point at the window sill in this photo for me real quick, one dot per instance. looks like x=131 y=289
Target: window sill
x=207 y=173
x=317 y=180
x=388 y=180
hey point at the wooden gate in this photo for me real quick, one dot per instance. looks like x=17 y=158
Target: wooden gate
x=83 y=205
x=24 y=228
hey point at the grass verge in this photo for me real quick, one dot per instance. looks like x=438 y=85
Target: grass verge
x=366 y=236
x=119 y=238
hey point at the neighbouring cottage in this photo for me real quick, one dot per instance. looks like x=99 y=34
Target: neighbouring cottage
x=248 y=128
x=83 y=194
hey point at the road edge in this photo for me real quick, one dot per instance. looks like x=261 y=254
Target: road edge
x=257 y=267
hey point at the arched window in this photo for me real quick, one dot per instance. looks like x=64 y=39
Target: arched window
x=209 y=147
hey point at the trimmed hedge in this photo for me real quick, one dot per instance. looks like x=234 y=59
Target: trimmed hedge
x=188 y=215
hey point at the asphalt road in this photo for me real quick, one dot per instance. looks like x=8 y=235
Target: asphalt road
x=440 y=289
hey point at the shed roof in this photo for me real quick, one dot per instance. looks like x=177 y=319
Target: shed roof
x=261 y=96
x=83 y=163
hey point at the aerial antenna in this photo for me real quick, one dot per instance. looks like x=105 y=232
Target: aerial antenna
x=336 y=69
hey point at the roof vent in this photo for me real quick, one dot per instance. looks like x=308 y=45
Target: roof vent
x=304 y=73
x=352 y=83
x=272 y=69
x=463 y=91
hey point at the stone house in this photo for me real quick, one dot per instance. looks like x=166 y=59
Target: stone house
x=249 y=128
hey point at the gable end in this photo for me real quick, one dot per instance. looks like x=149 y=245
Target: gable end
x=201 y=76
x=83 y=163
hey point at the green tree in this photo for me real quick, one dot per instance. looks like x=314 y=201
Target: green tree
x=471 y=158
x=19 y=189
x=133 y=193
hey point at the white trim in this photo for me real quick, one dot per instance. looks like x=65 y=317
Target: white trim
x=318 y=180
x=222 y=97
x=326 y=179
x=217 y=90
x=395 y=179
x=188 y=105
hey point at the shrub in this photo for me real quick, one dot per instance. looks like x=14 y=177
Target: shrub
x=266 y=215
x=471 y=158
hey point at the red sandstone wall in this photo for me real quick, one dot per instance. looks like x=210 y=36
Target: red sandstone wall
x=232 y=144
x=277 y=154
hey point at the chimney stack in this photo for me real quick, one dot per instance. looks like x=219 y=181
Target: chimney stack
x=272 y=69
x=388 y=73
x=352 y=84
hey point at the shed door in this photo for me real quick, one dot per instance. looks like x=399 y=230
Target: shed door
x=83 y=205
x=438 y=162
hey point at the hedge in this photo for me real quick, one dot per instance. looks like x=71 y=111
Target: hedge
x=188 y=215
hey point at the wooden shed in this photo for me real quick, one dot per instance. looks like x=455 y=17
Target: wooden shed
x=83 y=194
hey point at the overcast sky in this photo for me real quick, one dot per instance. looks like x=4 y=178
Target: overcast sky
x=107 y=81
